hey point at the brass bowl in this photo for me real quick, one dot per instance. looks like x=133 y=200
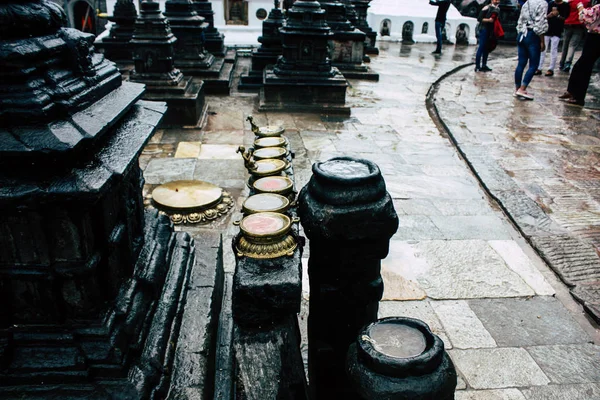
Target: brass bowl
x=265 y=202
x=268 y=167
x=266 y=235
x=275 y=141
x=270 y=152
x=269 y=131
x=274 y=184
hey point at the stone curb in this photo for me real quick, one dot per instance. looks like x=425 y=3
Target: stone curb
x=573 y=260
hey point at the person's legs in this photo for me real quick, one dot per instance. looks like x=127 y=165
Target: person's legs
x=582 y=71
x=567 y=34
x=553 y=51
x=543 y=53
x=532 y=41
x=575 y=40
x=483 y=37
x=438 y=36
x=523 y=56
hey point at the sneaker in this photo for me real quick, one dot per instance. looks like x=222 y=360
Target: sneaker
x=567 y=67
x=537 y=72
x=549 y=73
x=524 y=95
x=485 y=68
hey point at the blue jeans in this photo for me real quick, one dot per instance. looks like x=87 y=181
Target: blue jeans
x=438 y=35
x=482 y=52
x=529 y=48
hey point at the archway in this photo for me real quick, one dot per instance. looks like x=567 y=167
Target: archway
x=407 y=32
x=425 y=28
x=84 y=17
x=386 y=27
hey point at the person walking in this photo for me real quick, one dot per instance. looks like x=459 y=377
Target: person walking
x=531 y=26
x=582 y=70
x=574 y=32
x=487 y=18
x=440 y=21
x=559 y=12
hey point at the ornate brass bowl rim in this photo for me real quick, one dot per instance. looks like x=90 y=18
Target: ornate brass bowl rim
x=280 y=165
x=284 y=200
x=283 y=191
x=281 y=153
x=269 y=131
x=284 y=247
x=270 y=236
x=282 y=142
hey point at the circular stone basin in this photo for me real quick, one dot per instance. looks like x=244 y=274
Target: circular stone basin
x=187 y=194
x=277 y=141
x=269 y=166
x=265 y=224
x=273 y=184
x=269 y=152
x=345 y=168
x=397 y=340
x=265 y=202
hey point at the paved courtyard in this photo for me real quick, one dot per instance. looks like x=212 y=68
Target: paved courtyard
x=475 y=187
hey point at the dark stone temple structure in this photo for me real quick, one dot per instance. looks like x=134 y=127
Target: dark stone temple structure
x=153 y=56
x=268 y=52
x=214 y=40
x=92 y=286
x=116 y=45
x=361 y=7
x=303 y=78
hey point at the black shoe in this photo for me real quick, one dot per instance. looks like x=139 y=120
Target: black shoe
x=537 y=72
x=436 y=52
x=485 y=68
x=478 y=69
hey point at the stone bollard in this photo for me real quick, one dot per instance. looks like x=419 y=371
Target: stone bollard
x=400 y=359
x=349 y=218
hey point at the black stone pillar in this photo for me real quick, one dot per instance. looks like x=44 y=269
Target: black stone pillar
x=92 y=287
x=153 y=56
x=268 y=52
x=361 y=7
x=303 y=78
x=349 y=217
x=213 y=39
x=190 y=30
x=399 y=358
x=116 y=45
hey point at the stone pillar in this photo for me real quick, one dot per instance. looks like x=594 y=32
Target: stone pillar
x=303 y=78
x=213 y=39
x=92 y=287
x=349 y=218
x=190 y=30
x=268 y=52
x=116 y=45
x=153 y=56
x=361 y=7
x=399 y=358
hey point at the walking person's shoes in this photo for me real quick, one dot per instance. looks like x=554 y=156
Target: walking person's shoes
x=523 y=94
x=485 y=68
x=436 y=52
x=565 y=96
x=538 y=72
x=574 y=102
x=478 y=69
x=549 y=73
x=566 y=67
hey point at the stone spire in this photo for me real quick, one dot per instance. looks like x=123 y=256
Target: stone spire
x=116 y=45
x=214 y=40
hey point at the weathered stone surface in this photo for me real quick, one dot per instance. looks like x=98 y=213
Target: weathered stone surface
x=528 y=322
x=416 y=227
x=563 y=392
x=224 y=173
x=471 y=227
x=498 y=394
x=463 y=207
x=498 y=368
x=516 y=260
x=569 y=363
x=462 y=326
x=163 y=170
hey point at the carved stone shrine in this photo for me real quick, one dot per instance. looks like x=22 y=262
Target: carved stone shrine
x=92 y=286
x=361 y=7
x=303 y=78
x=116 y=46
x=153 y=56
x=213 y=39
x=268 y=52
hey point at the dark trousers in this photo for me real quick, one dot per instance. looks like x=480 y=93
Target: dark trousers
x=482 y=52
x=582 y=71
x=528 y=48
x=438 y=34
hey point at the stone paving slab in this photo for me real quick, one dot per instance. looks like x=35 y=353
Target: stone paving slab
x=569 y=363
x=590 y=391
x=499 y=394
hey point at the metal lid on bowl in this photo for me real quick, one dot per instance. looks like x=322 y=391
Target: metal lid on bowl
x=268 y=167
x=187 y=194
x=265 y=202
x=269 y=152
x=275 y=141
x=265 y=225
x=274 y=184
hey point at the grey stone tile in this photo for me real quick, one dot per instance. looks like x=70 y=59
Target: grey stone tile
x=569 y=363
x=463 y=269
x=431 y=187
x=224 y=173
x=416 y=227
x=498 y=394
x=462 y=326
x=463 y=207
x=400 y=284
x=162 y=170
x=415 y=309
x=589 y=391
x=528 y=322
x=471 y=227
x=415 y=207
x=498 y=368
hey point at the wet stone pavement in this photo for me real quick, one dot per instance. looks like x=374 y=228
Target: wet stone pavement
x=456 y=262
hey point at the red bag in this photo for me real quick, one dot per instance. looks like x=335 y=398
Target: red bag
x=498 y=31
